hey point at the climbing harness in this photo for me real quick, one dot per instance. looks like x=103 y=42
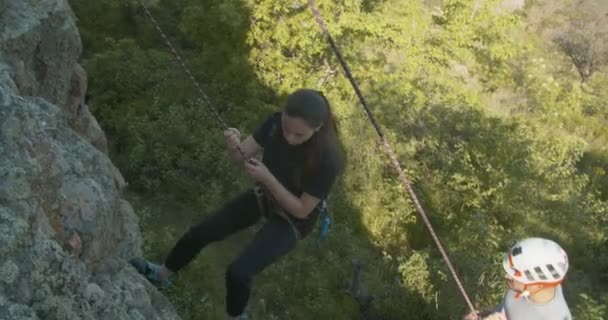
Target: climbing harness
x=389 y=150
x=268 y=206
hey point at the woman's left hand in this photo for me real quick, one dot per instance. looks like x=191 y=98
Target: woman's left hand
x=257 y=171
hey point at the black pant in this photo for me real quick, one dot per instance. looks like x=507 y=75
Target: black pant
x=275 y=239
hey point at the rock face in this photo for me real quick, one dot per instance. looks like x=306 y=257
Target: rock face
x=65 y=231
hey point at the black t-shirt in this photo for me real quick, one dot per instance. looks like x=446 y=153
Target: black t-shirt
x=282 y=159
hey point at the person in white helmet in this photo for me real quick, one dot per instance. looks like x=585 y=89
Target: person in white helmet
x=535 y=269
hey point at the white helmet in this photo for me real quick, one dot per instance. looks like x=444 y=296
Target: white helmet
x=536 y=261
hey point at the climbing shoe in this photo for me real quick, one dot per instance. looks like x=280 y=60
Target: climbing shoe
x=151 y=271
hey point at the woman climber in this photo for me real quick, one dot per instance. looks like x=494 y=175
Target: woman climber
x=301 y=157
x=534 y=269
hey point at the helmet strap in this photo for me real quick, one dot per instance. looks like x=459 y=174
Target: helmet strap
x=527 y=293
x=524 y=293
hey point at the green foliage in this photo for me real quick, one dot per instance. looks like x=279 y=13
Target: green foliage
x=145 y=93
x=590 y=308
x=534 y=165
x=102 y=22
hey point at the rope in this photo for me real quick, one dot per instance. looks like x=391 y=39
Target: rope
x=184 y=66
x=391 y=153
x=181 y=62
x=204 y=97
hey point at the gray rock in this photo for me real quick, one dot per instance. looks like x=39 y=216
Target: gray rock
x=18 y=312
x=94 y=293
x=9 y=272
x=65 y=231
x=24 y=293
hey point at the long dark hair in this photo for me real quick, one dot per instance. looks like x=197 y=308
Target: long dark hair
x=324 y=145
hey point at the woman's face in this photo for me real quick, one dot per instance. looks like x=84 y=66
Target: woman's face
x=295 y=130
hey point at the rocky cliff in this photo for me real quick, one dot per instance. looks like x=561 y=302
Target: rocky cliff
x=65 y=231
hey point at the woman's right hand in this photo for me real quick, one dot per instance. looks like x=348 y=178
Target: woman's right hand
x=232 y=136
